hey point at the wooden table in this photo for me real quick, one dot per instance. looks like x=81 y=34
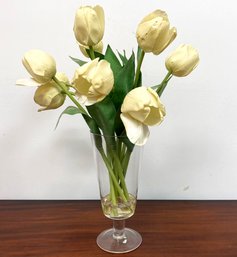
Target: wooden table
x=70 y=228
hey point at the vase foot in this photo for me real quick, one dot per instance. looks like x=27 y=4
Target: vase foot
x=130 y=241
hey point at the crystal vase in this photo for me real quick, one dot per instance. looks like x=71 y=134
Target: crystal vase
x=118 y=164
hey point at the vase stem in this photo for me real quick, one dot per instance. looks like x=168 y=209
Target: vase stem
x=119 y=228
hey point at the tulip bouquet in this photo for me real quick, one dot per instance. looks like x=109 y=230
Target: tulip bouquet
x=107 y=88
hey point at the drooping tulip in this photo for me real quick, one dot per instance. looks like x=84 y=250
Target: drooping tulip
x=49 y=95
x=141 y=108
x=40 y=65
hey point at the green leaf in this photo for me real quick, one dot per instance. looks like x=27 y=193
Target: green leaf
x=78 y=61
x=139 y=52
x=119 y=127
x=104 y=114
x=139 y=83
x=97 y=54
x=128 y=143
x=161 y=88
x=120 y=131
x=113 y=60
x=124 y=82
x=91 y=124
x=123 y=57
x=70 y=110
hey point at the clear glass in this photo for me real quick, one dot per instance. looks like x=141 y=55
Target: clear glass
x=118 y=163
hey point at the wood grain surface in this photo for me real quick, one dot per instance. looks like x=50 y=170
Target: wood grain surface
x=69 y=228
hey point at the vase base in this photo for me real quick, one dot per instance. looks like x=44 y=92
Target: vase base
x=129 y=242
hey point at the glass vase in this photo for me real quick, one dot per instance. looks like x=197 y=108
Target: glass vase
x=118 y=164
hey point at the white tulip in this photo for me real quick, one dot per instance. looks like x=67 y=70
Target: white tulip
x=49 y=95
x=141 y=108
x=40 y=65
x=182 y=61
x=154 y=33
x=93 y=81
x=89 y=25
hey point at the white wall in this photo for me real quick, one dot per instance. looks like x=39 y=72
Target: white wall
x=192 y=155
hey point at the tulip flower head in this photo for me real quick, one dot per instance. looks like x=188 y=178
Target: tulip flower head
x=40 y=65
x=93 y=81
x=89 y=25
x=182 y=61
x=49 y=95
x=141 y=108
x=154 y=33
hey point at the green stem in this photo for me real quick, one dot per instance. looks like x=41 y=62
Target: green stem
x=121 y=175
x=112 y=191
x=123 y=151
x=111 y=173
x=119 y=149
x=164 y=83
x=139 y=65
x=125 y=162
x=67 y=92
x=166 y=77
x=92 y=53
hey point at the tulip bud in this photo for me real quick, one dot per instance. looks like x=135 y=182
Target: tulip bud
x=141 y=108
x=154 y=33
x=182 y=61
x=97 y=48
x=93 y=81
x=49 y=95
x=40 y=65
x=89 y=25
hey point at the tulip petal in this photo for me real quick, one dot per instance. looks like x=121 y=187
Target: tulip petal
x=83 y=75
x=137 y=132
x=154 y=33
x=164 y=41
x=89 y=25
x=100 y=12
x=156 y=116
x=57 y=101
x=40 y=65
x=135 y=100
x=27 y=82
x=140 y=115
x=155 y=14
x=148 y=32
x=93 y=80
x=182 y=61
x=103 y=75
x=45 y=93
x=88 y=69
